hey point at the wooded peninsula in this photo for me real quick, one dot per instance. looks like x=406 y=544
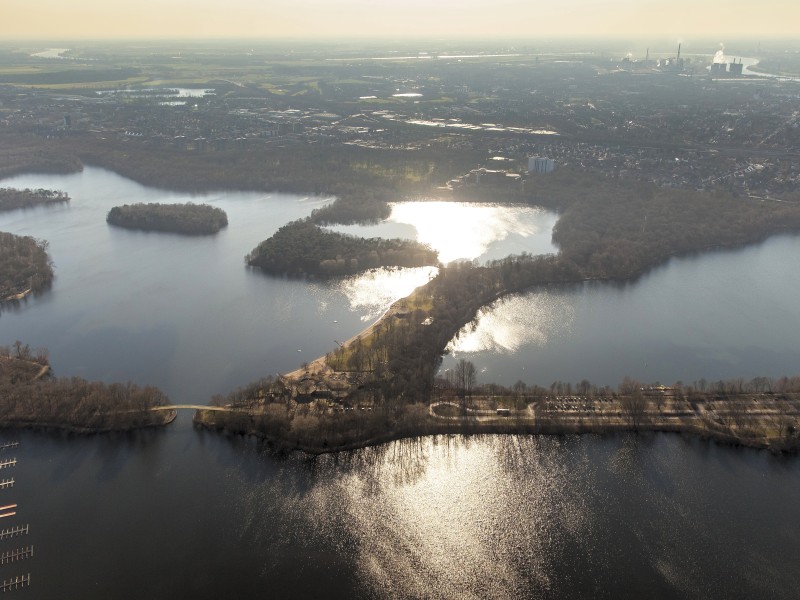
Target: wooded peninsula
x=31 y=397
x=187 y=219
x=11 y=199
x=25 y=267
x=301 y=248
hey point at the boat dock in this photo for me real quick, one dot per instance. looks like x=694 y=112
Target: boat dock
x=12 y=532
x=10 y=556
x=18 y=582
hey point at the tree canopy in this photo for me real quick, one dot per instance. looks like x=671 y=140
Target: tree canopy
x=189 y=218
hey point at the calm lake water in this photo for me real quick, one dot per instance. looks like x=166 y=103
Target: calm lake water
x=179 y=513
x=719 y=315
x=184 y=514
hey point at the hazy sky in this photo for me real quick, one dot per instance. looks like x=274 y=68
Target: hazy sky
x=398 y=18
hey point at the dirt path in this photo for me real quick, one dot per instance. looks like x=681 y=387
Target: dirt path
x=319 y=365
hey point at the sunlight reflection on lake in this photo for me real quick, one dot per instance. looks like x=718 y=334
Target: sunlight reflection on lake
x=371 y=293
x=530 y=320
x=466 y=230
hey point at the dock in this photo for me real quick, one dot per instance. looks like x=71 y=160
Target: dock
x=9 y=462
x=12 y=532
x=18 y=582
x=10 y=556
x=5 y=445
x=6 y=483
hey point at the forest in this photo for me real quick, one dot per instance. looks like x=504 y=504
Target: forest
x=187 y=219
x=11 y=199
x=25 y=266
x=31 y=397
x=301 y=248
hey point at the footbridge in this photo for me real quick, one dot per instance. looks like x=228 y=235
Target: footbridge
x=193 y=407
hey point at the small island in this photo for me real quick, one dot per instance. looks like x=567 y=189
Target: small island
x=11 y=199
x=300 y=248
x=187 y=219
x=31 y=397
x=25 y=267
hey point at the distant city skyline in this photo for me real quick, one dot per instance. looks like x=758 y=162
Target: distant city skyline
x=95 y=19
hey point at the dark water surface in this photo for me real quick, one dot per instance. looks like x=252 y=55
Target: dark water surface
x=184 y=514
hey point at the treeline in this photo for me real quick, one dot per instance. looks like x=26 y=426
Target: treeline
x=268 y=411
x=26 y=154
x=11 y=199
x=30 y=397
x=25 y=266
x=762 y=412
x=700 y=389
x=298 y=168
x=355 y=206
x=188 y=219
x=301 y=248
x=303 y=427
x=620 y=233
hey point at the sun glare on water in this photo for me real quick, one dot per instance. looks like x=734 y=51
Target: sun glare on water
x=461 y=230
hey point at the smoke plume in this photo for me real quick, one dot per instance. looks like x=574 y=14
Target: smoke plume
x=719 y=57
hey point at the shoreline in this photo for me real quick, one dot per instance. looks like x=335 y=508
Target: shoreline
x=718 y=437
x=169 y=417
x=771 y=427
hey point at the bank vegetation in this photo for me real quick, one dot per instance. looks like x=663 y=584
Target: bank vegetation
x=11 y=199
x=759 y=413
x=25 y=267
x=301 y=248
x=31 y=397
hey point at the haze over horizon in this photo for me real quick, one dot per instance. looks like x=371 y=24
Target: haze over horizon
x=281 y=19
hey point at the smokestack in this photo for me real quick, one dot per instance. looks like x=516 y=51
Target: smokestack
x=679 y=50
x=647 y=58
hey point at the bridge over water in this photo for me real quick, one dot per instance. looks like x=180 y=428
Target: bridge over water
x=193 y=407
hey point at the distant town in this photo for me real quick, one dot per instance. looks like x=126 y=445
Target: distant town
x=698 y=122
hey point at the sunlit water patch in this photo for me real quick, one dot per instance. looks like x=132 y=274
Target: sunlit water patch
x=532 y=319
x=467 y=230
x=371 y=293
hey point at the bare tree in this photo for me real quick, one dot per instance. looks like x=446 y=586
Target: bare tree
x=464 y=376
x=634 y=407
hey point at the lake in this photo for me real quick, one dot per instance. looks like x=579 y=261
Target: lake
x=179 y=513
x=184 y=513
x=185 y=313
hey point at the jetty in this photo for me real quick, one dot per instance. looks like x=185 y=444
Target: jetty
x=13 y=532
x=15 y=583
x=11 y=556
